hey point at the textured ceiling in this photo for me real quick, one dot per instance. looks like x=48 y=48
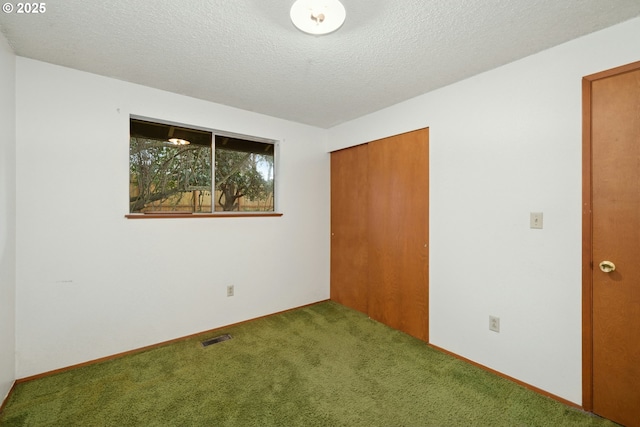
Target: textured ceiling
x=247 y=54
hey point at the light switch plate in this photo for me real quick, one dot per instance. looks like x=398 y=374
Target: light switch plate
x=535 y=220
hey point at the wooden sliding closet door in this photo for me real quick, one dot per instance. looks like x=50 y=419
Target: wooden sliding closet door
x=399 y=232
x=349 y=227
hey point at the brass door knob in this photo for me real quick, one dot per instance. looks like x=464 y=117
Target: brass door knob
x=607 y=266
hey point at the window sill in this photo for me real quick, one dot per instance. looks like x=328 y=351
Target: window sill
x=200 y=215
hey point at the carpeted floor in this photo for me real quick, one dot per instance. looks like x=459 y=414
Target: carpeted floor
x=322 y=365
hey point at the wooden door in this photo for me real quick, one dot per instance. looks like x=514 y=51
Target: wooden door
x=349 y=227
x=613 y=101
x=398 y=232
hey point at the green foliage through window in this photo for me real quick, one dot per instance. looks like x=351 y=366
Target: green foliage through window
x=174 y=176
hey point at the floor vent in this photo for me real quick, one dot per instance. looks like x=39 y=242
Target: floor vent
x=216 y=340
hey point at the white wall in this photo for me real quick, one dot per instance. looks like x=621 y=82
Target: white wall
x=503 y=144
x=7 y=217
x=91 y=283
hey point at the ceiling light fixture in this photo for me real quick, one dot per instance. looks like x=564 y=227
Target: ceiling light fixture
x=178 y=141
x=318 y=17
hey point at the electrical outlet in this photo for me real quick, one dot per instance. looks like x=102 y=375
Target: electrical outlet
x=230 y=290
x=494 y=323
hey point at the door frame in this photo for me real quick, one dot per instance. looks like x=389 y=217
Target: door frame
x=587 y=238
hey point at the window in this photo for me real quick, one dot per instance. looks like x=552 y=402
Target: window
x=244 y=172
x=175 y=169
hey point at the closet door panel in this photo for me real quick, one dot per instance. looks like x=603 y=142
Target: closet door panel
x=398 y=232
x=349 y=227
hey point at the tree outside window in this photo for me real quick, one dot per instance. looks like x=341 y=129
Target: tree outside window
x=171 y=170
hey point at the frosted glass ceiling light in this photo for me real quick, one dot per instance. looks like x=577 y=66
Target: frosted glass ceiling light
x=178 y=141
x=318 y=16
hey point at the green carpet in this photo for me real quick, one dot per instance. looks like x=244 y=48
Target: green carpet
x=322 y=365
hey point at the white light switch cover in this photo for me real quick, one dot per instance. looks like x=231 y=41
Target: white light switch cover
x=535 y=220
